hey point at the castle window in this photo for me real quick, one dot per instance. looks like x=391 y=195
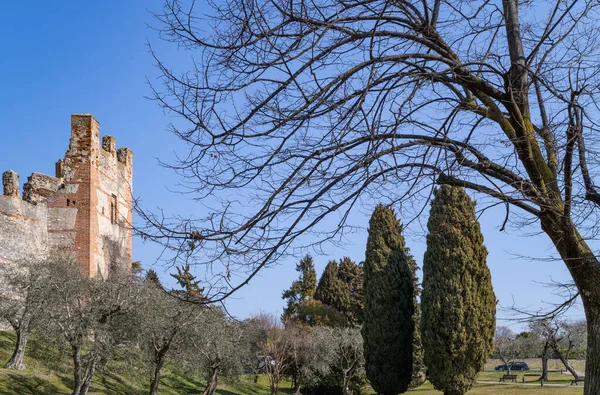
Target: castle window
x=68 y=202
x=113 y=209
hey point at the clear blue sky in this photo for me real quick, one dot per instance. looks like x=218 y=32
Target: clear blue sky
x=66 y=57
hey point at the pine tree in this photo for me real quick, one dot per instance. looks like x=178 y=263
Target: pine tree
x=351 y=275
x=330 y=290
x=388 y=327
x=458 y=301
x=302 y=289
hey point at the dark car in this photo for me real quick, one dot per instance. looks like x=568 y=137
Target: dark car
x=513 y=366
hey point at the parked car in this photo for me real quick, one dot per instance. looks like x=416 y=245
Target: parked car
x=513 y=366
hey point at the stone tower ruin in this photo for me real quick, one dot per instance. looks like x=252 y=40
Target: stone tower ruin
x=85 y=210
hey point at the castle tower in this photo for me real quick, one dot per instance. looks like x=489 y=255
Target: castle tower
x=90 y=215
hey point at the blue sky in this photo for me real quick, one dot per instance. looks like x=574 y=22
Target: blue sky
x=66 y=57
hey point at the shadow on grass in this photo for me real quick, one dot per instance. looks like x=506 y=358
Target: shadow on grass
x=183 y=385
x=17 y=384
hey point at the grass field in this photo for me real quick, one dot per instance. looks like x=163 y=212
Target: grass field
x=54 y=378
x=536 y=364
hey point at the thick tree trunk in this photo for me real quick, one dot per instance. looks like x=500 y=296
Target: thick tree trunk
x=544 y=375
x=16 y=360
x=83 y=373
x=585 y=270
x=159 y=361
x=211 y=385
x=565 y=362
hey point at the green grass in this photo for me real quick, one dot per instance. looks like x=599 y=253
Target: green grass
x=52 y=376
x=499 y=389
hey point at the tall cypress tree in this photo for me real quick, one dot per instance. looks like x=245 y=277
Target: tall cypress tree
x=418 y=366
x=458 y=301
x=388 y=327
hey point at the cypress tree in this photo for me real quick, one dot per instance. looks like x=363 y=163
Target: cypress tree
x=388 y=326
x=458 y=301
x=417 y=377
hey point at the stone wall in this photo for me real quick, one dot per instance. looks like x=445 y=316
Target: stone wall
x=85 y=210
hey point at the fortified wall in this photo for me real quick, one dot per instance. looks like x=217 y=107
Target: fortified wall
x=85 y=210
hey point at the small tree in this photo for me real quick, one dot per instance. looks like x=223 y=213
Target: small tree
x=302 y=289
x=458 y=301
x=566 y=336
x=91 y=315
x=166 y=320
x=275 y=352
x=20 y=303
x=389 y=326
x=217 y=347
x=343 y=347
x=508 y=348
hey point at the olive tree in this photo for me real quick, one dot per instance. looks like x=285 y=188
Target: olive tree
x=91 y=315
x=307 y=109
x=217 y=347
x=342 y=349
x=21 y=301
x=165 y=323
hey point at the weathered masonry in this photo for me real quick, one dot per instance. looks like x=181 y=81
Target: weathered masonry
x=85 y=210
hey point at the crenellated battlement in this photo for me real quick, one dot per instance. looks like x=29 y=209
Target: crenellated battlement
x=85 y=206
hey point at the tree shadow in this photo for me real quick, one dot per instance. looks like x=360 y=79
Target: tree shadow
x=16 y=384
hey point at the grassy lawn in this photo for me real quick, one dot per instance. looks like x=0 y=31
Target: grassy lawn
x=499 y=389
x=52 y=376
x=536 y=364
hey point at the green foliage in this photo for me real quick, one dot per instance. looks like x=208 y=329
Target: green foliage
x=418 y=377
x=458 y=301
x=341 y=286
x=330 y=289
x=351 y=275
x=191 y=286
x=302 y=289
x=152 y=278
x=389 y=309
x=315 y=313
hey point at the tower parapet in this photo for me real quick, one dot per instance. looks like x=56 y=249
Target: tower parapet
x=10 y=184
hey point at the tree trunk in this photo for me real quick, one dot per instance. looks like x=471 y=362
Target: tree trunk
x=544 y=375
x=567 y=364
x=16 y=360
x=211 y=385
x=88 y=376
x=83 y=373
x=159 y=361
x=274 y=383
x=585 y=270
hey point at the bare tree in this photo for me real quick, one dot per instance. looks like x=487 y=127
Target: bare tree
x=276 y=351
x=308 y=108
x=546 y=331
x=508 y=348
x=564 y=337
